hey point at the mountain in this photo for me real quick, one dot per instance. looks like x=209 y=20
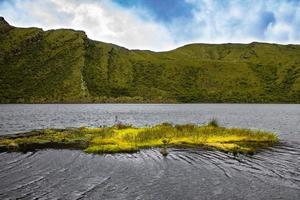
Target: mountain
x=65 y=66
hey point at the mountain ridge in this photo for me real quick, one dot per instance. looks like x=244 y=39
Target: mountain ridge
x=65 y=66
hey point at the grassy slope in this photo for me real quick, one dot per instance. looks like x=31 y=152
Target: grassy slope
x=65 y=66
x=38 y=66
x=123 y=138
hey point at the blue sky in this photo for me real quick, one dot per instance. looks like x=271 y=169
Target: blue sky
x=161 y=10
x=163 y=24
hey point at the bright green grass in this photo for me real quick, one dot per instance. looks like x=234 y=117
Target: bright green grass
x=118 y=139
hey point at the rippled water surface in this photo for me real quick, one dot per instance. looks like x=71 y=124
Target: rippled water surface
x=183 y=174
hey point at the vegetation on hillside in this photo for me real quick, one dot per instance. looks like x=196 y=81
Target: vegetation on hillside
x=63 y=65
x=123 y=138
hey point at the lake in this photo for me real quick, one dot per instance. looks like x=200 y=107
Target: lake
x=183 y=174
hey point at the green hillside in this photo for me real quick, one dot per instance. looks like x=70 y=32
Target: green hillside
x=63 y=65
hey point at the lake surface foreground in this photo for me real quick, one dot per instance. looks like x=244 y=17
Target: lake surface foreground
x=183 y=174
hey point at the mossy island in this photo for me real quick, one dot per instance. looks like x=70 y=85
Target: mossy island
x=122 y=138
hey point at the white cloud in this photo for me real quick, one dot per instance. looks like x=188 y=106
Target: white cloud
x=103 y=21
x=246 y=21
x=213 y=21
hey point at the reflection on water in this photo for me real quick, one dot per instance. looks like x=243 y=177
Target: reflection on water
x=183 y=174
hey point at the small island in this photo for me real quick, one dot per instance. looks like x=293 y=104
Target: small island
x=122 y=138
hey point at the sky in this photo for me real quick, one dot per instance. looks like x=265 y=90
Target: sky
x=161 y=25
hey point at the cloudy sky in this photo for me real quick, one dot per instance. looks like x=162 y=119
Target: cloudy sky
x=163 y=24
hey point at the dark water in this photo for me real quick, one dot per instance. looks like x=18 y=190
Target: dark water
x=183 y=174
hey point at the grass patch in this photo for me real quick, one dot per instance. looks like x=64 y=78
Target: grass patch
x=214 y=123
x=118 y=139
